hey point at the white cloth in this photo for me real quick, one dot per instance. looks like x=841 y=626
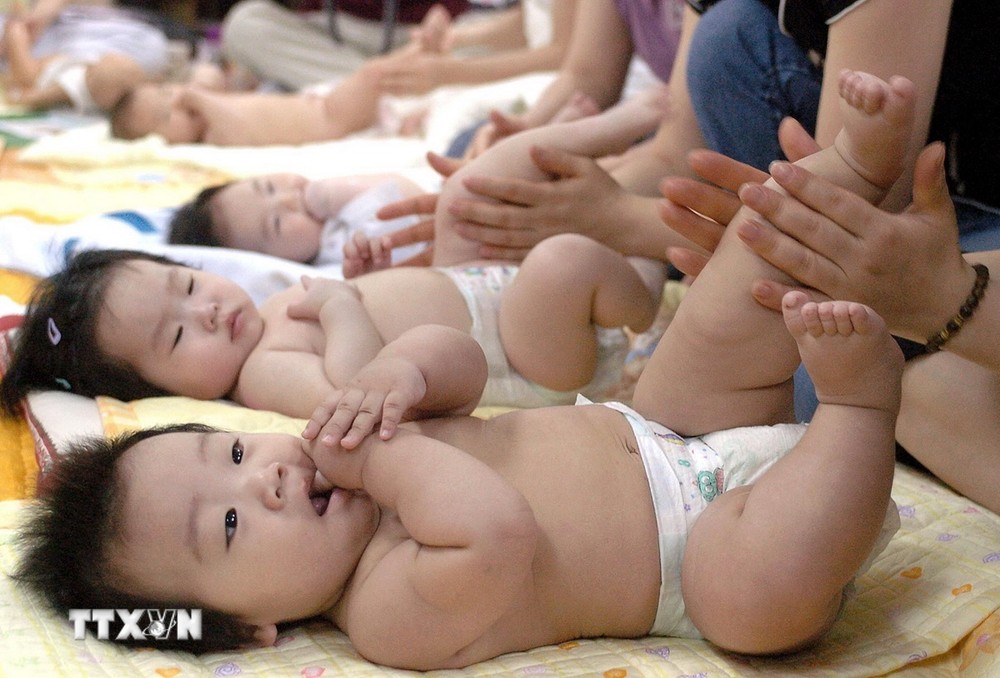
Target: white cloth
x=358 y=214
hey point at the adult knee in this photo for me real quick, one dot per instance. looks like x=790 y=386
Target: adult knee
x=243 y=23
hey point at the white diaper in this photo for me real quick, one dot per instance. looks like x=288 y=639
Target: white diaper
x=70 y=75
x=482 y=286
x=358 y=214
x=685 y=474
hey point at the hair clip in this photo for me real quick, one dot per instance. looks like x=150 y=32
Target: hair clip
x=55 y=336
x=63 y=383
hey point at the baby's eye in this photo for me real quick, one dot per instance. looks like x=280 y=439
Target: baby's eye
x=231 y=522
x=276 y=224
x=237 y=451
x=269 y=187
x=177 y=339
x=191 y=285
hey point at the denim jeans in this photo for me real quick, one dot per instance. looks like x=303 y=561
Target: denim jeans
x=744 y=77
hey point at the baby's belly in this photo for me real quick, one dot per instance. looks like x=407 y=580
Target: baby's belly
x=399 y=299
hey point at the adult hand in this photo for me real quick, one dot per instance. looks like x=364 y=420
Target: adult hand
x=420 y=205
x=500 y=125
x=581 y=198
x=415 y=74
x=906 y=266
x=700 y=211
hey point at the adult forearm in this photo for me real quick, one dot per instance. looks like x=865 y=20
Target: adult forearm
x=475 y=70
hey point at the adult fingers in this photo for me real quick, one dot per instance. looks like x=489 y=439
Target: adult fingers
x=795 y=141
x=842 y=207
x=687 y=261
x=722 y=170
x=703 y=232
x=789 y=255
x=419 y=204
x=444 y=165
x=715 y=203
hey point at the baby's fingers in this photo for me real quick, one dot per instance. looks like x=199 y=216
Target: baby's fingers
x=393 y=409
x=323 y=414
x=363 y=422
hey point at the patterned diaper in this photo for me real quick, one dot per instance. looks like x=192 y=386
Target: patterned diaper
x=482 y=286
x=685 y=474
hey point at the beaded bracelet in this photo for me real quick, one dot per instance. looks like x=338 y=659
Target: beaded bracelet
x=935 y=343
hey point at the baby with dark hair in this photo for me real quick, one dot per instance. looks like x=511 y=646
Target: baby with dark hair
x=701 y=511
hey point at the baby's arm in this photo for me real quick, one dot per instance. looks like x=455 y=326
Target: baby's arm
x=472 y=540
x=351 y=338
x=430 y=370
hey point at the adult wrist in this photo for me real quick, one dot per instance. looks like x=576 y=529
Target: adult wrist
x=965 y=312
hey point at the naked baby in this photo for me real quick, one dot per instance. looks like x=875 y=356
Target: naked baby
x=699 y=512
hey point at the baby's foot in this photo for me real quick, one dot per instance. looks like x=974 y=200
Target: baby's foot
x=847 y=350
x=878 y=121
x=434 y=29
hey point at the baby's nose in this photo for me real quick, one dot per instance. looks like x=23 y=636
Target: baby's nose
x=272 y=488
x=208 y=314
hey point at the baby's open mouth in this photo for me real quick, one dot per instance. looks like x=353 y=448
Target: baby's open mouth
x=320 y=501
x=320 y=491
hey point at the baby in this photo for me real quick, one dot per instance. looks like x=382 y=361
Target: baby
x=453 y=540
x=185 y=114
x=149 y=326
x=289 y=216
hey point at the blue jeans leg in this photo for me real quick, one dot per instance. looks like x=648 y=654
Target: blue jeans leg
x=744 y=77
x=978 y=225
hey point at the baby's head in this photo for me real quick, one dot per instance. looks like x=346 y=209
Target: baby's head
x=131 y=325
x=265 y=214
x=149 y=108
x=238 y=525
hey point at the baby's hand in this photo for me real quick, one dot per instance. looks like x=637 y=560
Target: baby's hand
x=364 y=255
x=318 y=292
x=384 y=390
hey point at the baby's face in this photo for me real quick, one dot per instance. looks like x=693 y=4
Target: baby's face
x=155 y=108
x=267 y=214
x=226 y=520
x=184 y=330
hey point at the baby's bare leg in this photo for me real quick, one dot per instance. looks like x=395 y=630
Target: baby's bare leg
x=594 y=136
x=766 y=564
x=725 y=361
x=22 y=68
x=567 y=285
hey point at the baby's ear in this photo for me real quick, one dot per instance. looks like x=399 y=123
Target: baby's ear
x=264 y=636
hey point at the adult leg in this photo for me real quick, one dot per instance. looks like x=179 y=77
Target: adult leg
x=950 y=421
x=738 y=48
x=610 y=132
x=766 y=564
x=724 y=360
x=282 y=46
